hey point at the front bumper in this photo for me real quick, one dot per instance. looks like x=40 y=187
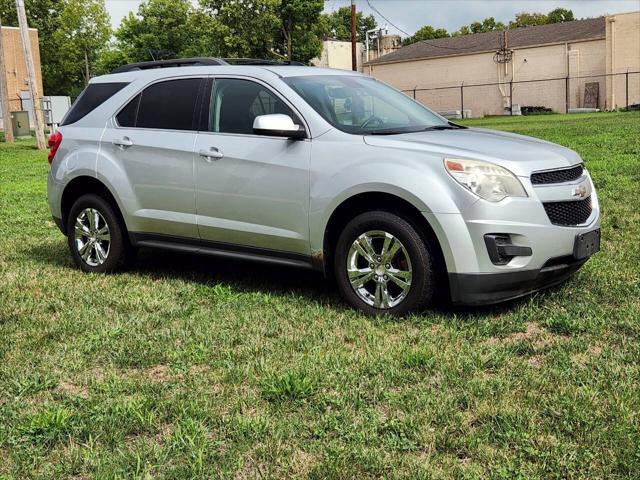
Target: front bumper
x=488 y=288
x=548 y=249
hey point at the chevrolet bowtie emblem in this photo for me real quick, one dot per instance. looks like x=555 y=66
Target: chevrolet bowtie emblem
x=579 y=191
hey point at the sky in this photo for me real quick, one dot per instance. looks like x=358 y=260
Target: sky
x=409 y=15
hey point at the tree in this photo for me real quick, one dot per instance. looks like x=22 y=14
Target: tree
x=241 y=28
x=72 y=34
x=165 y=29
x=425 y=33
x=560 y=15
x=337 y=24
x=297 y=19
x=160 y=30
x=525 y=19
x=489 y=24
x=110 y=58
x=83 y=33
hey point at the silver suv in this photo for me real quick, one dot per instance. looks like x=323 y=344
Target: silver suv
x=316 y=168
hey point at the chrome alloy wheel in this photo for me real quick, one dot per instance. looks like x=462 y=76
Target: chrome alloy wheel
x=93 y=239
x=379 y=269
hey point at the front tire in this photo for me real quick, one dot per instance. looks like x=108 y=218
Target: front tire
x=383 y=265
x=95 y=236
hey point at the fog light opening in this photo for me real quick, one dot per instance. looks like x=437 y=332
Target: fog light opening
x=501 y=250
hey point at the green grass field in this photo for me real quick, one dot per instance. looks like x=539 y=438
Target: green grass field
x=187 y=367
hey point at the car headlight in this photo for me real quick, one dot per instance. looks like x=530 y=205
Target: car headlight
x=487 y=180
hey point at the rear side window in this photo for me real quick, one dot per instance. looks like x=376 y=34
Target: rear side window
x=169 y=105
x=92 y=97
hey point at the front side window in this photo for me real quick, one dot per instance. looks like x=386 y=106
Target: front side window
x=169 y=105
x=362 y=105
x=236 y=103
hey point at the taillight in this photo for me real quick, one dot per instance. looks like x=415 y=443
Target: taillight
x=55 y=139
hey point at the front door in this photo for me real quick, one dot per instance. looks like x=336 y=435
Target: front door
x=251 y=190
x=153 y=144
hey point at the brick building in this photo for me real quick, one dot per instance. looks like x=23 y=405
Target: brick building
x=15 y=73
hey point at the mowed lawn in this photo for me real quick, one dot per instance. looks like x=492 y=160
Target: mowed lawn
x=188 y=367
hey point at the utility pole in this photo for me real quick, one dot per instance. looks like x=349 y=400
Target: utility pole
x=4 y=95
x=31 y=74
x=354 y=59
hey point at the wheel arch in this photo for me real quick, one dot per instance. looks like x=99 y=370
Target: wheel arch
x=83 y=185
x=377 y=200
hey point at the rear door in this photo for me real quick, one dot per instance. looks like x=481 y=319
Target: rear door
x=251 y=190
x=153 y=143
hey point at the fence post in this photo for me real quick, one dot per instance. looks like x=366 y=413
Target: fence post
x=626 y=87
x=414 y=92
x=462 y=100
x=511 y=97
x=566 y=94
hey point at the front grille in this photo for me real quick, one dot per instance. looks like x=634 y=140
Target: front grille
x=568 y=213
x=557 y=176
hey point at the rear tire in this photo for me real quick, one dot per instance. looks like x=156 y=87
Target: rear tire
x=383 y=266
x=96 y=238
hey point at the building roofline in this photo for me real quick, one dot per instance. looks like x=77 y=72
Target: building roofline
x=480 y=52
x=521 y=37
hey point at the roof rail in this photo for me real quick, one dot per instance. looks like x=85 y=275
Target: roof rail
x=200 y=61
x=260 y=61
x=180 y=62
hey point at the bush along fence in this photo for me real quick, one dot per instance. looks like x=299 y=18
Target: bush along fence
x=533 y=96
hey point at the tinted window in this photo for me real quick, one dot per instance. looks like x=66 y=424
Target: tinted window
x=236 y=103
x=93 y=96
x=166 y=105
x=127 y=116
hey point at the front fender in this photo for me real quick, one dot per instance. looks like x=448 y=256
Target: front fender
x=415 y=177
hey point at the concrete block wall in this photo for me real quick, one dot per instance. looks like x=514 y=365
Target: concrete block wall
x=591 y=60
x=622 y=55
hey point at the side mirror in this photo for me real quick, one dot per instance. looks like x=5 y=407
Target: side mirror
x=277 y=125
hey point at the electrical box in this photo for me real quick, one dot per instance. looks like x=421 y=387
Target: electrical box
x=55 y=108
x=20 y=124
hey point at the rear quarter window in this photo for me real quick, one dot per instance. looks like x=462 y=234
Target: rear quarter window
x=91 y=98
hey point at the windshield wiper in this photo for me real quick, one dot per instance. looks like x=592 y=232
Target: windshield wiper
x=394 y=131
x=449 y=126
x=399 y=130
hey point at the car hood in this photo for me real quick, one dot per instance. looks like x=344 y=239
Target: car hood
x=518 y=153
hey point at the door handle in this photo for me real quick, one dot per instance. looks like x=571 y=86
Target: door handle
x=123 y=142
x=211 y=154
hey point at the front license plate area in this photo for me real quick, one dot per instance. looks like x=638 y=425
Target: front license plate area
x=586 y=244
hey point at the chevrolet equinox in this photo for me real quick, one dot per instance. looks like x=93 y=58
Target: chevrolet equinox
x=317 y=168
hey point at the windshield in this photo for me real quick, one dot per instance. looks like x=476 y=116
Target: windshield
x=363 y=105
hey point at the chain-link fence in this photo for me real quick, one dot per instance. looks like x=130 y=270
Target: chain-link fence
x=561 y=95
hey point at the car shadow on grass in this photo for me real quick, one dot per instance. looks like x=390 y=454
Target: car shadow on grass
x=255 y=276
x=243 y=276
x=247 y=276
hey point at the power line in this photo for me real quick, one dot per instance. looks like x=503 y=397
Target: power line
x=388 y=21
x=407 y=34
